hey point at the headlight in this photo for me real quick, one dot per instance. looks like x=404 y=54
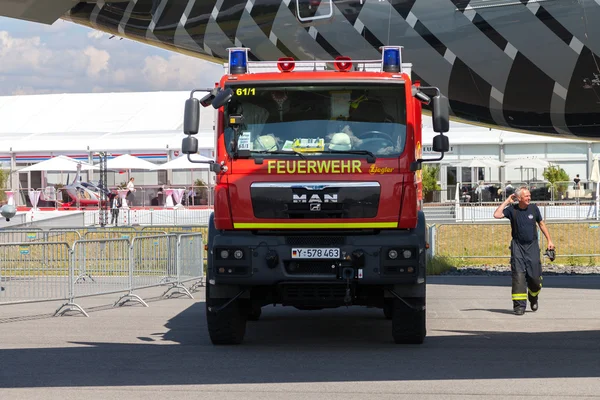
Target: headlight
x=407 y=254
x=238 y=254
x=393 y=254
x=224 y=254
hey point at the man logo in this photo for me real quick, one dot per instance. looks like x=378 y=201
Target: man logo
x=315 y=206
x=315 y=198
x=530 y=216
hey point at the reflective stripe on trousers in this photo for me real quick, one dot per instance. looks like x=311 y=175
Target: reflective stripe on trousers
x=526 y=271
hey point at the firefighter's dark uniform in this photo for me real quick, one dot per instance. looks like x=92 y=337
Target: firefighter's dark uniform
x=525 y=260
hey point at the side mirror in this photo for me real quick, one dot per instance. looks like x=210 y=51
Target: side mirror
x=441 y=144
x=191 y=118
x=189 y=145
x=441 y=114
x=208 y=99
x=222 y=98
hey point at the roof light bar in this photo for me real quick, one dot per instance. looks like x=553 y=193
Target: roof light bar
x=286 y=64
x=391 y=58
x=238 y=60
x=343 y=63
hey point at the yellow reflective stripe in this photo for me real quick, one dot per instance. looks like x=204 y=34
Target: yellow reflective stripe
x=519 y=296
x=534 y=294
x=317 y=225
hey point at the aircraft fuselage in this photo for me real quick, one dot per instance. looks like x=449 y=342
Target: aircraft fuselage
x=523 y=65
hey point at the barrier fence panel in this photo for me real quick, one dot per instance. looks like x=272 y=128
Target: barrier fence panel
x=21 y=235
x=153 y=260
x=576 y=242
x=32 y=271
x=100 y=267
x=190 y=258
x=43 y=271
x=485 y=243
x=179 y=230
x=110 y=234
x=65 y=235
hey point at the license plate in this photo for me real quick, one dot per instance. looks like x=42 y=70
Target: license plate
x=316 y=252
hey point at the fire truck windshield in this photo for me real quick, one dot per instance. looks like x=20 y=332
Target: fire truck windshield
x=318 y=120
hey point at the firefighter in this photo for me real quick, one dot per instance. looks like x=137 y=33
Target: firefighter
x=525 y=263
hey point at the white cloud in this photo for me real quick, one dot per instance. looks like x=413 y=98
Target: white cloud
x=179 y=72
x=98 y=61
x=97 y=34
x=76 y=59
x=17 y=53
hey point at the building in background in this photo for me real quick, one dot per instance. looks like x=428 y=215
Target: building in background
x=149 y=125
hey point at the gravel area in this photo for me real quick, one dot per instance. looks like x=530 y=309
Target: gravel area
x=547 y=269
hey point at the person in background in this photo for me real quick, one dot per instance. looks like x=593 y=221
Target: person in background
x=160 y=196
x=191 y=194
x=508 y=189
x=131 y=190
x=576 y=180
x=115 y=204
x=525 y=263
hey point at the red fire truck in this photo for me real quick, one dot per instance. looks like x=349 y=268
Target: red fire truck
x=317 y=180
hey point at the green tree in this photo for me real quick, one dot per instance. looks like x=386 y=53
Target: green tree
x=3 y=178
x=430 y=177
x=558 y=178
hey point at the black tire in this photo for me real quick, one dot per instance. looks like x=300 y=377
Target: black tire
x=388 y=308
x=254 y=313
x=408 y=324
x=228 y=326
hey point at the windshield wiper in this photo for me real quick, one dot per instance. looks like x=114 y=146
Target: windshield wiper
x=247 y=153
x=370 y=159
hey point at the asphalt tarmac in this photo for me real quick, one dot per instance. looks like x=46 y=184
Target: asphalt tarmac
x=475 y=349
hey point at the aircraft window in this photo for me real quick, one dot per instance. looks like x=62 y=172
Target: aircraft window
x=309 y=119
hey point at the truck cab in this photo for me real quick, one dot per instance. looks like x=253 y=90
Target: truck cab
x=317 y=189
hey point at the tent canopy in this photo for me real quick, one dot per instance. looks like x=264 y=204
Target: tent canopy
x=595 y=174
x=479 y=163
x=182 y=162
x=129 y=162
x=60 y=164
x=527 y=163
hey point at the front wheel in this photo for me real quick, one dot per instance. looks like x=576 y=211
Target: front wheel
x=409 y=323
x=388 y=308
x=228 y=326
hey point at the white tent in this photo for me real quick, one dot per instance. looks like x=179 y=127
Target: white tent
x=182 y=162
x=479 y=163
x=595 y=177
x=595 y=174
x=129 y=162
x=59 y=164
x=527 y=163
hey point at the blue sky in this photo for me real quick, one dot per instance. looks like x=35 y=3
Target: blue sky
x=68 y=58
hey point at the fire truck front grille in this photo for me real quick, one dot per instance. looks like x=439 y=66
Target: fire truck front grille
x=313 y=292
x=322 y=268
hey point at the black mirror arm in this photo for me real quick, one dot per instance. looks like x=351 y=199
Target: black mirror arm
x=214 y=167
x=430 y=90
x=417 y=165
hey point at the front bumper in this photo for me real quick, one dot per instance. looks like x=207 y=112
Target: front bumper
x=365 y=259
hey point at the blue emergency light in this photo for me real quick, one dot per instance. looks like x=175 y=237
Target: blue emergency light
x=391 y=58
x=238 y=60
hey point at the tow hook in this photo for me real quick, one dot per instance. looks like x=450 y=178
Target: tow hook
x=348 y=273
x=222 y=307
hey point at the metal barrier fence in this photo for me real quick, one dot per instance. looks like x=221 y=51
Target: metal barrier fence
x=31 y=271
x=154 y=216
x=489 y=242
x=44 y=271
